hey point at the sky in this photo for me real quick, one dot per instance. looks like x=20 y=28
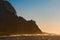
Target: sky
x=46 y=13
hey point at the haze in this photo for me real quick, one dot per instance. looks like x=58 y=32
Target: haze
x=46 y=13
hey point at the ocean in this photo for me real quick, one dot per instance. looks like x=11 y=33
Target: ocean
x=31 y=38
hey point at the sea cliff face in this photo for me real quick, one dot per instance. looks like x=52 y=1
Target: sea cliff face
x=10 y=23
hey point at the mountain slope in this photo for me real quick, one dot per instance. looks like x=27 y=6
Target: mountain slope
x=10 y=23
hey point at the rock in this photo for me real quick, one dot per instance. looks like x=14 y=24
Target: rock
x=27 y=27
x=10 y=23
x=8 y=18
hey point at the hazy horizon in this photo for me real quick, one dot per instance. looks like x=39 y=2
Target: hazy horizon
x=46 y=13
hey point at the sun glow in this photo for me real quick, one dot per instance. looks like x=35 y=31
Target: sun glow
x=28 y=35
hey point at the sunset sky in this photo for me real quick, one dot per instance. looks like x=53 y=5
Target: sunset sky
x=46 y=13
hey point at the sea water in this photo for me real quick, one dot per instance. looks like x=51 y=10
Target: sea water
x=31 y=38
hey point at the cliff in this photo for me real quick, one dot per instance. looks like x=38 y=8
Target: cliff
x=10 y=23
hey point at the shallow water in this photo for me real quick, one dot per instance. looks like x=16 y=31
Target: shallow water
x=31 y=38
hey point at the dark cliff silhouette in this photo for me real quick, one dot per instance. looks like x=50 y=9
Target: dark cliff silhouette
x=10 y=23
